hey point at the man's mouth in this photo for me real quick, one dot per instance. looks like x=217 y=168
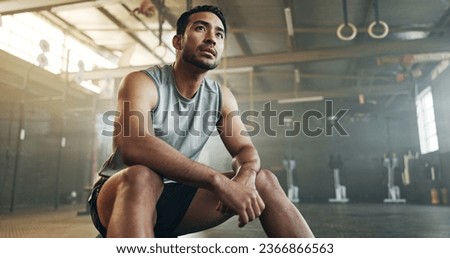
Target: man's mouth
x=208 y=50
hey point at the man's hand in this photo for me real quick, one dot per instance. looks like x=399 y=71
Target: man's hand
x=239 y=196
x=146 y=8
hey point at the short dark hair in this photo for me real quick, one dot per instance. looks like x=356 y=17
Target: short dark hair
x=184 y=18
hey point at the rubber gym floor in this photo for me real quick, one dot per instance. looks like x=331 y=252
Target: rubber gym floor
x=351 y=220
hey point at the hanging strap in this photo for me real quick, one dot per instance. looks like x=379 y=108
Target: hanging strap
x=376 y=11
x=344 y=10
x=161 y=18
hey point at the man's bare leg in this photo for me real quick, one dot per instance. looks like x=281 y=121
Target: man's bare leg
x=202 y=213
x=280 y=218
x=127 y=202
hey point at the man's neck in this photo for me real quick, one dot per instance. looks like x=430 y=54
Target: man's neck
x=188 y=79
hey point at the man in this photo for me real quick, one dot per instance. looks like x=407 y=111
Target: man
x=152 y=186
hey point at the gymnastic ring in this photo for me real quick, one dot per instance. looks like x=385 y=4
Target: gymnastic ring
x=339 y=31
x=380 y=36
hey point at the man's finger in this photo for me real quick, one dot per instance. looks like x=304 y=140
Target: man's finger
x=243 y=219
x=261 y=203
x=256 y=209
x=251 y=213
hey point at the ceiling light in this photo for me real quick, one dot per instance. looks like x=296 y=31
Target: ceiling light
x=289 y=24
x=299 y=100
x=411 y=35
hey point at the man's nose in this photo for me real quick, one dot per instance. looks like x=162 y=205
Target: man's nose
x=209 y=39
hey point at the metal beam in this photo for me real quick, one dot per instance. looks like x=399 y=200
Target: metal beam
x=84 y=5
x=78 y=34
x=321 y=76
x=414 y=59
x=442 y=23
x=355 y=51
x=121 y=25
x=12 y=7
x=327 y=30
x=122 y=71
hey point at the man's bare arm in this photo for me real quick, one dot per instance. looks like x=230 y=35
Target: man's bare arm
x=234 y=136
x=246 y=162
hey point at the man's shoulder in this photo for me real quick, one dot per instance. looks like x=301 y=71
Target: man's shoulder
x=138 y=85
x=160 y=74
x=162 y=68
x=136 y=81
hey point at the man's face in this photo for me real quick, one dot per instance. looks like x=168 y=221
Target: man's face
x=203 y=41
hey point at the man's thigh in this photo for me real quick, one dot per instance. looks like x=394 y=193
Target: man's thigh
x=202 y=213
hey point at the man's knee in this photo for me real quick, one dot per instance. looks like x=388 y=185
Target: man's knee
x=141 y=176
x=266 y=179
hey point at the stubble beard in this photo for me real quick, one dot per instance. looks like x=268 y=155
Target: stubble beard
x=191 y=59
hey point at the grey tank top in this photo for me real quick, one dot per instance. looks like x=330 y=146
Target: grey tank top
x=185 y=124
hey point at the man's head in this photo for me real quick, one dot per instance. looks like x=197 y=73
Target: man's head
x=184 y=18
x=200 y=37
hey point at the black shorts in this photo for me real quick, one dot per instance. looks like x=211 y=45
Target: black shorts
x=171 y=207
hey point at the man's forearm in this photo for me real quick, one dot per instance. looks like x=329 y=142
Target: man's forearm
x=246 y=160
x=157 y=155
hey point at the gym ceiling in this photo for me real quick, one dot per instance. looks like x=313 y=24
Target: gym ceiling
x=275 y=49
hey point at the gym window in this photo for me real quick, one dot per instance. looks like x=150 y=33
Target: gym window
x=426 y=121
x=21 y=35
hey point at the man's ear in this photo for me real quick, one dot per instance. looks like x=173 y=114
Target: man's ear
x=176 y=41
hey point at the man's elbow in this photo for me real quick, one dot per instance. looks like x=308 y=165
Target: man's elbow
x=246 y=153
x=129 y=151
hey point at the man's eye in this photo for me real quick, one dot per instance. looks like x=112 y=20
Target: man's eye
x=201 y=28
x=220 y=35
